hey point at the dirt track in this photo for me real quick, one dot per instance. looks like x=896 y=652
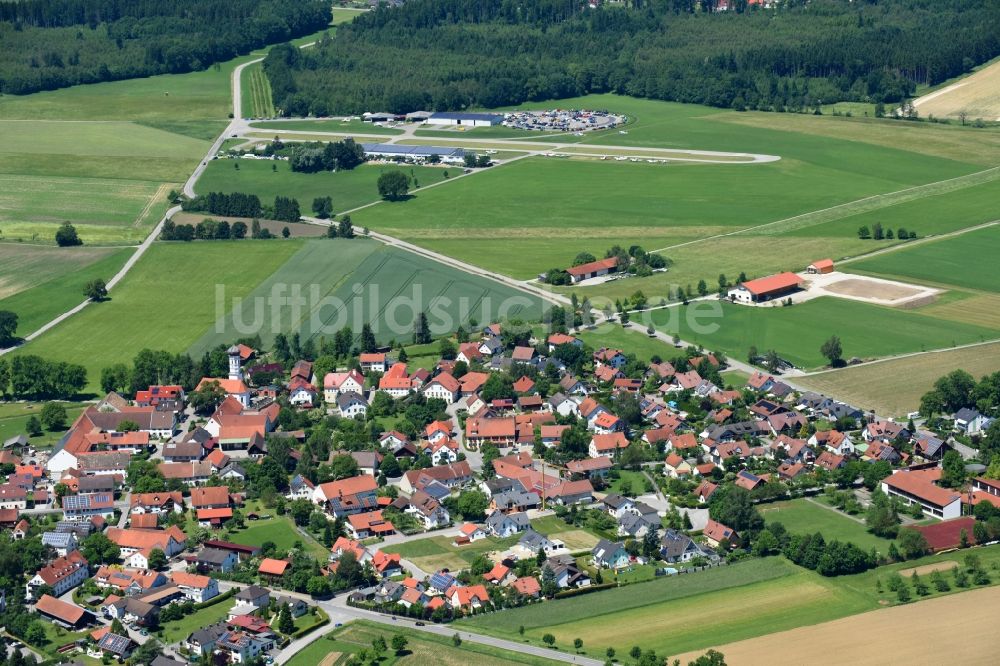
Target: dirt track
x=956 y=629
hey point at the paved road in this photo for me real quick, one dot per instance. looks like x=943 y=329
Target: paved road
x=339 y=611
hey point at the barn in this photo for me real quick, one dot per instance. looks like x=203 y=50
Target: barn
x=765 y=289
x=593 y=269
x=820 y=267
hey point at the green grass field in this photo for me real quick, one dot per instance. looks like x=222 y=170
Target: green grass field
x=803 y=516
x=167 y=301
x=280 y=531
x=178 y=630
x=965 y=261
x=106 y=177
x=672 y=615
x=535 y=203
x=40 y=283
x=692 y=612
x=358 y=281
x=14 y=417
x=423 y=649
x=438 y=552
x=256 y=93
x=798 y=332
x=634 y=339
x=349 y=189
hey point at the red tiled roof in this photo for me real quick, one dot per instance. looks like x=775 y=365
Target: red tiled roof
x=68 y=613
x=600 y=264
x=772 y=283
x=920 y=483
x=273 y=567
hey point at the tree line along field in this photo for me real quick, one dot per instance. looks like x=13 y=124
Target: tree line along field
x=348 y=188
x=369 y=283
x=798 y=332
x=964 y=260
x=40 y=283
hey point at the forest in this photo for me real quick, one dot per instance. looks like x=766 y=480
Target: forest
x=49 y=44
x=457 y=54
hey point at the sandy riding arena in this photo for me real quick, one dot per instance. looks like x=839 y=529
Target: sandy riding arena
x=865 y=288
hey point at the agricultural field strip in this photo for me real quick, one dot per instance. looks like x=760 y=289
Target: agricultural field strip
x=898 y=357
x=856 y=207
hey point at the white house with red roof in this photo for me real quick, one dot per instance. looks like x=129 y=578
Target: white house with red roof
x=443 y=387
x=301 y=393
x=765 y=289
x=374 y=362
x=607 y=444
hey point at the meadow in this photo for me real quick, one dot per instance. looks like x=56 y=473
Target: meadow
x=360 y=281
x=673 y=614
x=893 y=387
x=40 y=283
x=798 y=332
x=804 y=516
x=14 y=418
x=975 y=96
x=280 y=531
x=670 y=615
x=348 y=189
x=423 y=648
x=965 y=260
x=633 y=339
x=166 y=302
x=439 y=552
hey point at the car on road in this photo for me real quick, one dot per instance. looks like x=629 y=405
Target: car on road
x=420 y=624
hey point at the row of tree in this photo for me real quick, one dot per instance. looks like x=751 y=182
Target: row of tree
x=319 y=156
x=458 y=54
x=32 y=377
x=239 y=204
x=52 y=44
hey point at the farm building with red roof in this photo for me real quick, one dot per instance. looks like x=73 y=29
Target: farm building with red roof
x=766 y=288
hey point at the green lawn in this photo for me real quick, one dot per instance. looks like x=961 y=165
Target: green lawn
x=14 y=418
x=962 y=261
x=635 y=483
x=167 y=301
x=394 y=285
x=798 y=332
x=423 y=649
x=349 y=189
x=42 y=282
x=802 y=516
x=280 y=531
x=438 y=552
x=178 y=630
x=633 y=339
